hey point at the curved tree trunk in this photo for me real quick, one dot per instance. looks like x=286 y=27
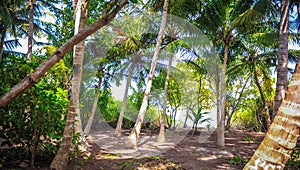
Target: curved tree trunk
x=282 y=136
x=134 y=135
x=88 y=126
x=61 y=159
x=221 y=114
x=39 y=72
x=161 y=136
x=265 y=105
x=121 y=116
x=30 y=30
x=282 y=69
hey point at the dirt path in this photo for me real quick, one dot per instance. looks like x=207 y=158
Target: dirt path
x=108 y=152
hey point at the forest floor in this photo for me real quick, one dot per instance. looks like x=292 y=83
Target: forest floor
x=188 y=153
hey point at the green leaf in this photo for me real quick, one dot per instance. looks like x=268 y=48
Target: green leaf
x=133 y=1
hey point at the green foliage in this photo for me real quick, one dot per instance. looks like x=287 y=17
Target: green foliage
x=37 y=113
x=154 y=157
x=237 y=160
x=198 y=116
x=129 y=165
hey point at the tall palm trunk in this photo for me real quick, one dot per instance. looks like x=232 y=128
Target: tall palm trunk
x=61 y=159
x=3 y=33
x=134 y=135
x=88 y=126
x=161 y=136
x=30 y=30
x=263 y=98
x=222 y=99
x=282 y=136
x=121 y=116
x=282 y=69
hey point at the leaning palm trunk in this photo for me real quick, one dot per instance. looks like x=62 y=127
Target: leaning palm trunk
x=30 y=30
x=161 y=136
x=32 y=78
x=282 y=69
x=134 y=135
x=263 y=98
x=121 y=116
x=62 y=156
x=282 y=136
x=88 y=126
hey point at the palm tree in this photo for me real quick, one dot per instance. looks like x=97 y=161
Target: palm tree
x=134 y=135
x=109 y=14
x=282 y=69
x=282 y=136
x=30 y=30
x=161 y=136
x=223 y=20
x=61 y=157
x=10 y=21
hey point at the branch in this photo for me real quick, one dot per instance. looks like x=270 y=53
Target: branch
x=35 y=76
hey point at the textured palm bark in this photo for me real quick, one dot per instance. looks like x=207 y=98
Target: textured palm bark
x=3 y=33
x=61 y=159
x=35 y=76
x=30 y=30
x=161 y=136
x=220 y=143
x=134 y=135
x=282 y=136
x=282 y=69
x=88 y=126
x=121 y=116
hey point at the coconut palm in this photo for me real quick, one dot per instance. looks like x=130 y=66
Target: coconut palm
x=282 y=136
x=282 y=69
x=62 y=155
x=10 y=20
x=222 y=21
x=134 y=135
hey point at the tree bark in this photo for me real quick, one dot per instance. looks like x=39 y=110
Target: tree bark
x=282 y=136
x=88 y=126
x=161 y=136
x=221 y=114
x=282 y=69
x=35 y=76
x=3 y=33
x=30 y=30
x=265 y=105
x=121 y=116
x=134 y=135
x=61 y=159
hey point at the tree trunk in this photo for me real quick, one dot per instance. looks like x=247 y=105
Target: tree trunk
x=161 y=136
x=61 y=159
x=121 y=116
x=282 y=136
x=36 y=137
x=134 y=135
x=3 y=33
x=35 y=76
x=30 y=31
x=282 y=69
x=88 y=126
x=220 y=118
x=235 y=104
x=185 y=120
x=265 y=105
